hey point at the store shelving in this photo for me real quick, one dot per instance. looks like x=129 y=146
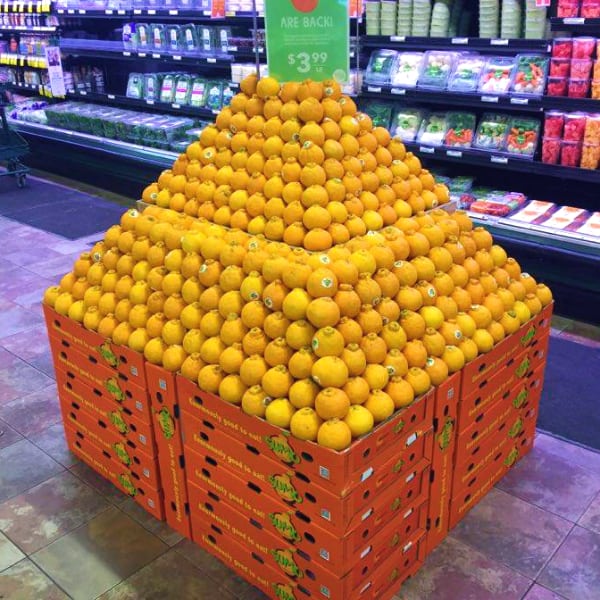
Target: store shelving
x=22 y=60
x=123 y=150
x=578 y=25
x=28 y=29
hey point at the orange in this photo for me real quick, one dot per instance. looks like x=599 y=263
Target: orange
x=481 y=315
x=303 y=393
x=211 y=348
x=484 y=340
x=277 y=381
x=413 y=324
x=419 y=380
x=276 y=325
x=310 y=109
x=210 y=378
x=232 y=389
x=327 y=342
x=380 y=405
x=305 y=423
x=334 y=434
x=332 y=403
x=400 y=391
x=231 y=358
x=359 y=419
x=544 y=293
x=437 y=370
x=376 y=375
x=351 y=331
x=192 y=341
x=301 y=362
x=469 y=349
x=369 y=320
x=415 y=353
x=253 y=369
x=322 y=282
x=330 y=371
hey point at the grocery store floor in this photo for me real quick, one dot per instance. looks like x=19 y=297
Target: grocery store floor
x=65 y=532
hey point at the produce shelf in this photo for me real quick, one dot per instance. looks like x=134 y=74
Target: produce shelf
x=528 y=104
x=22 y=60
x=575 y=24
x=150 y=156
x=27 y=6
x=160 y=107
x=199 y=16
x=489 y=45
x=31 y=29
x=502 y=161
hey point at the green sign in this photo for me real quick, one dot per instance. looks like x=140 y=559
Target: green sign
x=308 y=39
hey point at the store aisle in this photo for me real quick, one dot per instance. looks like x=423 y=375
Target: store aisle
x=65 y=532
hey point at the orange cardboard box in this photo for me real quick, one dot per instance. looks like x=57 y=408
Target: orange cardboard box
x=293 y=560
x=334 y=470
x=284 y=521
x=395 y=569
x=442 y=463
x=499 y=385
x=493 y=418
x=96 y=348
x=100 y=377
x=339 y=513
x=107 y=439
x=167 y=424
x=115 y=414
x=115 y=472
x=485 y=365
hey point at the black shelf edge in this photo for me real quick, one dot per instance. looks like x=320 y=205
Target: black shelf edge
x=490 y=101
x=490 y=45
x=469 y=156
x=565 y=103
x=575 y=24
x=150 y=156
x=214 y=62
x=155 y=106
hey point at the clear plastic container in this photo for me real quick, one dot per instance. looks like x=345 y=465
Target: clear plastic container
x=596 y=89
x=183 y=89
x=492 y=131
x=144 y=36
x=583 y=47
x=592 y=129
x=172 y=38
x=553 y=124
x=590 y=9
x=557 y=86
x=214 y=95
x=406 y=123
x=433 y=129
x=570 y=154
x=497 y=75
x=596 y=70
x=579 y=88
x=466 y=73
x=529 y=76
x=460 y=129
x=581 y=68
x=167 y=88
x=436 y=69
x=198 y=93
x=562 y=48
x=551 y=150
x=158 y=38
x=567 y=8
x=590 y=156
x=381 y=66
x=560 y=67
x=135 y=86
x=407 y=69
x=188 y=38
x=522 y=138
x=574 y=129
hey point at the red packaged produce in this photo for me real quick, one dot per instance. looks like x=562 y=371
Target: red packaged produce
x=567 y=8
x=583 y=47
x=560 y=67
x=553 y=124
x=562 y=48
x=570 y=154
x=581 y=68
x=590 y=9
x=550 y=151
x=490 y=208
x=578 y=88
x=574 y=127
x=557 y=86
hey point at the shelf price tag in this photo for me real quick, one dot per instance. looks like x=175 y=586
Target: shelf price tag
x=137 y=11
x=426 y=149
x=211 y=60
x=499 y=42
x=151 y=11
x=150 y=102
x=110 y=96
x=372 y=88
x=109 y=12
x=174 y=12
x=126 y=53
x=176 y=57
x=155 y=55
x=308 y=40
x=142 y=54
x=500 y=160
x=175 y=105
x=397 y=38
x=460 y=41
x=454 y=153
x=490 y=99
x=542 y=3
x=574 y=21
x=398 y=91
x=520 y=101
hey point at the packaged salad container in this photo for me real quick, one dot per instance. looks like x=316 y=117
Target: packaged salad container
x=522 y=137
x=433 y=129
x=529 y=77
x=466 y=73
x=436 y=69
x=406 y=123
x=144 y=36
x=407 y=69
x=460 y=129
x=492 y=131
x=198 y=92
x=380 y=67
x=497 y=75
x=380 y=113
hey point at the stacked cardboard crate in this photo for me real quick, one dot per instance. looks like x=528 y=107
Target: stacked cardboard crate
x=290 y=514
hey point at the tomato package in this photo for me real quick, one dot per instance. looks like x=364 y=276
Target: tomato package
x=583 y=47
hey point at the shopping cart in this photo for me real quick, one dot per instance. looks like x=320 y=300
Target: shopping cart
x=12 y=146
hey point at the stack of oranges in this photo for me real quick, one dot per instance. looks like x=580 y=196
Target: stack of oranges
x=311 y=289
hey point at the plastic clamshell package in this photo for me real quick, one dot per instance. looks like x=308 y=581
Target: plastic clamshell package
x=380 y=67
x=433 y=129
x=407 y=69
x=406 y=123
x=492 y=131
x=460 y=129
x=529 y=77
x=554 y=121
x=436 y=69
x=522 y=136
x=497 y=75
x=562 y=47
x=466 y=74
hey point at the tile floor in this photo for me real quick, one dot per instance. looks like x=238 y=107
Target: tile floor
x=66 y=533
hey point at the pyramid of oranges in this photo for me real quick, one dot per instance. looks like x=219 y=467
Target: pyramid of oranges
x=295 y=262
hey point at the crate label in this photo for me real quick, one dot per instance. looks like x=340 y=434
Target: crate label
x=411 y=440
x=325 y=514
x=324 y=554
x=367 y=474
x=365 y=551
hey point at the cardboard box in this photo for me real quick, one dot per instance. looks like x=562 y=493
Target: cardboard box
x=442 y=462
x=167 y=424
x=105 y=438
x=109 y=382
x=104 y=406
x=97 y=349
x=292 y=524
x=339 y=513
x=396 y=568
x=334 y=470
x=121 y=477
x=293 y=560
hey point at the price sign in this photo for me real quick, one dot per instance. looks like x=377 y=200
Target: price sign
x=308 y=39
